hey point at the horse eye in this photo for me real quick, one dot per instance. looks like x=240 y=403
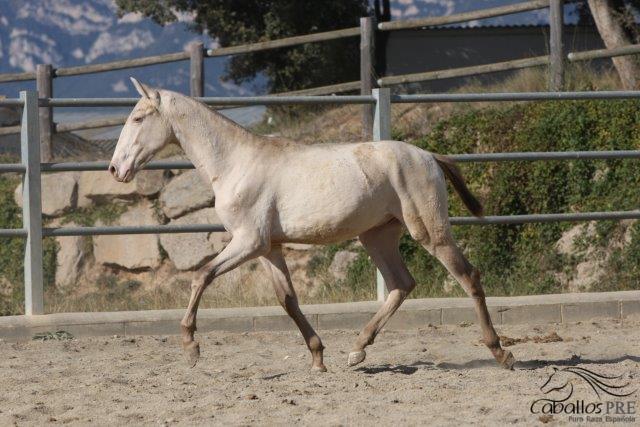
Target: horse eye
x=138 y=119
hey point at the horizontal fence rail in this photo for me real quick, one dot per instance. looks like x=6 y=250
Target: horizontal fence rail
x=466 y=220
x=246 y=100
x=102 y=166
x=545 y=218
x=546 y=155
x=210 y=228
x=284 y=42
x=463 y=158
x=9 y=130
x=141 y=229
x=4 y=167
x=587 y=55
x=515 y=64
x=515 y=96
x=120 y=65
x=464 y=17
x=13 y=232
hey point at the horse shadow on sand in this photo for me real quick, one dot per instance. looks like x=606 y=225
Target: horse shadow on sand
x=396 y=369
x=491 y=363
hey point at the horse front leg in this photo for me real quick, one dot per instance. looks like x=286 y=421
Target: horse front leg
x=278 y=272
x=243 y=247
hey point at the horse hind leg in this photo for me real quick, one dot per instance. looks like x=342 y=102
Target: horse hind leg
x=381 y=244
x=443 y=247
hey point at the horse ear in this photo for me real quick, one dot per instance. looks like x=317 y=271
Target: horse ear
x=146 y=91
x=140 y=88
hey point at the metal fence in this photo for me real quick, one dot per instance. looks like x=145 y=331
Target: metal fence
x=380 y=99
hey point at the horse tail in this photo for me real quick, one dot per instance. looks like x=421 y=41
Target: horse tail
x=451 y=171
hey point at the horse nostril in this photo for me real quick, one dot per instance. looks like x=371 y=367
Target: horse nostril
x=112 y=170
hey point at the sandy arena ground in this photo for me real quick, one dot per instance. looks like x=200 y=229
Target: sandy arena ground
x=436 y=375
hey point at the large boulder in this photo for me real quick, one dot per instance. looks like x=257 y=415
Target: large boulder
x=191 y=250
x=59 y=192
x=70 y=258
x=149 y=183
x=132 y=252
x=99 y=185
x=185 y=193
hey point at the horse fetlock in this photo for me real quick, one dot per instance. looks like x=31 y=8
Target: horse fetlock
x=507 y=360
x=504 y=357
x=191 y=352
x=493 y=343
x=315 y=344
x=319 y=368
x=188 y=328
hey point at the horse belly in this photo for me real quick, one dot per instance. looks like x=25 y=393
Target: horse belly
x=322 y=226
x=322 y=217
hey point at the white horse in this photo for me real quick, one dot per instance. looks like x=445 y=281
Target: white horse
x=271 y=191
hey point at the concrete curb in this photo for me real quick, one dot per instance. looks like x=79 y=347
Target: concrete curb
x=415 y=313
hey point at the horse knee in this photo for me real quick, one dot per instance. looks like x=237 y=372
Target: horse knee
x=201 y=278
x=315 y=344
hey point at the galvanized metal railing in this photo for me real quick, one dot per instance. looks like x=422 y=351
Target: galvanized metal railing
x=381 y=99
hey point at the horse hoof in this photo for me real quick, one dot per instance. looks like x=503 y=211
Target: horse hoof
x=320 y=368
x=508 y=360
x=356 y=357
x=192 y=353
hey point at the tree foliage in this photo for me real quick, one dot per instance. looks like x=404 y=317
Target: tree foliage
x=624 y=10
x=233 y=22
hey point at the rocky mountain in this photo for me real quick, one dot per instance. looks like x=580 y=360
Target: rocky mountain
x=78 y=32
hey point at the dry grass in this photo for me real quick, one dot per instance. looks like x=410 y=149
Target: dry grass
x=410 y=121
x=166 y=288
x=161 y=298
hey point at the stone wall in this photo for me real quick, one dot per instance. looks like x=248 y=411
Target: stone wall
x=152 y=198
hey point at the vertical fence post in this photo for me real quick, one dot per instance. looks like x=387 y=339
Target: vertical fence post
x=556 y=55
x=366 y=73
x=196 y=65
x=381 y=132
x=31 y=205
x=44 y=85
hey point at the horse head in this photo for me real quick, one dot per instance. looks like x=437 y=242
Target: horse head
x=145 y=132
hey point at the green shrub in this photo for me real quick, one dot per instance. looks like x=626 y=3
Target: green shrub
x=12 y=252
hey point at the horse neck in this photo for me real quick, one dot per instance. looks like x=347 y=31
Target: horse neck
x=210 y=140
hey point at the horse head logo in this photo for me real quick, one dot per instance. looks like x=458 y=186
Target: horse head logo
x=562 y=380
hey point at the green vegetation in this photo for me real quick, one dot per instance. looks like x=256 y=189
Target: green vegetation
x=89 y=216
x=12 y=253
x=522 y=259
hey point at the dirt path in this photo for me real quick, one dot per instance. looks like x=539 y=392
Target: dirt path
x=436 y=375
